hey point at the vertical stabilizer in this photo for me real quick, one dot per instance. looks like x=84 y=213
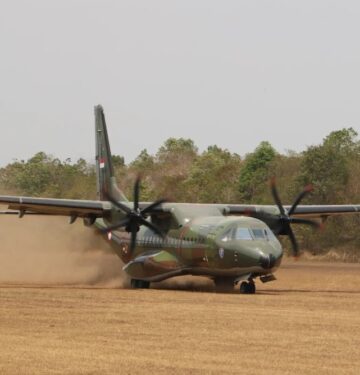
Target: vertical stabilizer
x=106 y=183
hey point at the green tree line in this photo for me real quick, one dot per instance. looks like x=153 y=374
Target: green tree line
x=179 y=172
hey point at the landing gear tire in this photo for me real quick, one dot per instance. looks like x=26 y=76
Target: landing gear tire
x=224 y=285
x=247 y=287
x=139 y=284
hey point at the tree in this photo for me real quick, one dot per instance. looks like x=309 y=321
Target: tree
x=172 y=164
x=117 y=161
x=326 y=166
x=213 y=177
x=176 y=150
x=144 y=163
x=256 y=172
x=142 y=166
x=331 y=168
x=43 y=175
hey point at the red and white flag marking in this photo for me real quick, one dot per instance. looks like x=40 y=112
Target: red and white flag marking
x=102 y=163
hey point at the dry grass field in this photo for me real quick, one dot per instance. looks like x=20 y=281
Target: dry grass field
x=306 y=322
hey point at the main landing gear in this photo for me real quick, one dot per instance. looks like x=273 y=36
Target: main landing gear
x=139 y=284
x=247 y=287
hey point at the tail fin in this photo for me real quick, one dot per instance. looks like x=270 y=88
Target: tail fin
x=106 y=183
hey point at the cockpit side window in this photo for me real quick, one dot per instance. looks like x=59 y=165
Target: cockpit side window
x=269 y=234
x=243 y=234
x=227 y=236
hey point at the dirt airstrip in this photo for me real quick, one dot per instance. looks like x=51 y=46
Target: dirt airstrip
x=307 y=322
x=71 y=316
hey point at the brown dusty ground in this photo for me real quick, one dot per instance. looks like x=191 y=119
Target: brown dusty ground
x=306 y=322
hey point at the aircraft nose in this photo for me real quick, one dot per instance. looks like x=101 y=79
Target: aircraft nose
x=267 y=261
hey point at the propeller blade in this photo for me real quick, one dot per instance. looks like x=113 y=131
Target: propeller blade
x=284 y=221
x=120 y=205
x=134 y=217
x=293 y=241
x=121 y=223
x=152 y=227
x=312 y=223
x=152 y=206
x=308 y=189
x=276 y=196
x=136 y=194
x=134 y=230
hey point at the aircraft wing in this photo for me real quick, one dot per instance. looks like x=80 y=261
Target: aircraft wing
x=259 y=211
x=95 y=209
x=309 y=211
x=50 y=206
x=324 y=210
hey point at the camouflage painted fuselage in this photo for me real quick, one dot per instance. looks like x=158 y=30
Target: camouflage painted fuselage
x=214 y=246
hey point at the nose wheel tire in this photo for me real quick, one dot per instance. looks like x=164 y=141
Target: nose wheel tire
x=247 y=287
x=139 y=284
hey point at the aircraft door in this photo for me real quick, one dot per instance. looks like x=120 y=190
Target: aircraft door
x=193 y=250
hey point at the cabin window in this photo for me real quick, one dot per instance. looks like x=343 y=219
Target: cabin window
x=243 y=234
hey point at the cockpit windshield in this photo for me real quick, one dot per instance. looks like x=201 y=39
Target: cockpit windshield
x=243 y=234
x=248 y=234
x=258 y=234
x=237 y=233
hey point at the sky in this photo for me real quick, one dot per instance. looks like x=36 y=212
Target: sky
x=230 y=73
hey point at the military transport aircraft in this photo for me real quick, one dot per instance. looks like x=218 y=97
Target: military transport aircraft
x=228 y=243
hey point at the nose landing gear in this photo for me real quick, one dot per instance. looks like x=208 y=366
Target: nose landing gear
x=247 y=287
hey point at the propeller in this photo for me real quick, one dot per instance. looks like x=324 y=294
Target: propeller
x=285 y=219
x=135 y=217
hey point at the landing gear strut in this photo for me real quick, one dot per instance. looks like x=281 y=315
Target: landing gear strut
x=247 y=287
x=139 y=284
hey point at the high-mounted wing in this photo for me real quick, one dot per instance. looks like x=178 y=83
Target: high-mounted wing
x=315 y=211
x=50 y=206
x=311 y=211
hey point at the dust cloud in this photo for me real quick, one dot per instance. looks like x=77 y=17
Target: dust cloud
x=191 y=283
x=47 y=250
